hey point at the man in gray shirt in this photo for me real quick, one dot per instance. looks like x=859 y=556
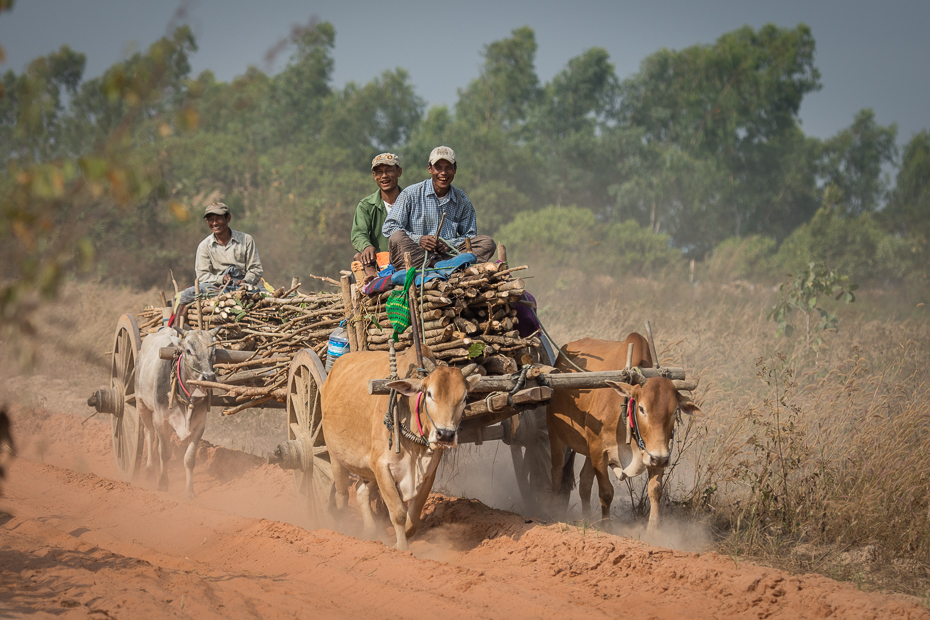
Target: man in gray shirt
x=226 y=259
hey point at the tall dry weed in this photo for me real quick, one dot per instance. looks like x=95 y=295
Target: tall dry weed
x=798 y=449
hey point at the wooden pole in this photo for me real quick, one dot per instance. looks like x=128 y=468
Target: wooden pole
x=412 y=297
x=395 y=395
x=347 y=305
x=197 y=301
x=359 y=325
x=558 y=381
x=652 y=345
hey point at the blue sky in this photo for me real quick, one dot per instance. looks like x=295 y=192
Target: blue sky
x=870 y=54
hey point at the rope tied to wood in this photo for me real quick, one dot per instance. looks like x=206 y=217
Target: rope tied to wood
x=519 y=382
x=391 y=413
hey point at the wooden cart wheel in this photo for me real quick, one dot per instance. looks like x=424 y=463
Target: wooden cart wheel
x=531 y=460
x=314 y=479
x=127 y=432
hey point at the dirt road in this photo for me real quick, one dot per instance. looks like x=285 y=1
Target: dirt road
x=76 y=542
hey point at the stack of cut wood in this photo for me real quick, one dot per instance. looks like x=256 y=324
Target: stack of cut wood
x=469 y=318
x=275 y=328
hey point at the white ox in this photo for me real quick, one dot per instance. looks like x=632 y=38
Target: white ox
x=359 y=442
x=184 y=412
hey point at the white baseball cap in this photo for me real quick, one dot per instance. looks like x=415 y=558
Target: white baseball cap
x=442 y=152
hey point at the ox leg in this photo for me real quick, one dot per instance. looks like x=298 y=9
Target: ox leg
x=585 y=482
x=395 y=505
x=164 y=455
x=605 y=488
x=341 y=484
x=363 y=497
x=415 y=508
x=557 y=507
x=151 y=439
x=655 y=495
x=190 y=454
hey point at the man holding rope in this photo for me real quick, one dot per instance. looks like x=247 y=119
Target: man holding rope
x=413 y=223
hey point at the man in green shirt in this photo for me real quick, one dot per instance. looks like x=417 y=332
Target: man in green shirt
x=373 y=210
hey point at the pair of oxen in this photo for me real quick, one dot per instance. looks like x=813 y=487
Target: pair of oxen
x=589 y=422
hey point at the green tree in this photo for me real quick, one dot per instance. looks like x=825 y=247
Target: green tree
x=734 y=103
x=854 y=160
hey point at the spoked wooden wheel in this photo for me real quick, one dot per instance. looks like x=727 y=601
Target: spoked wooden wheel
x=127 y=432
x=314 y=477
x=531 y=459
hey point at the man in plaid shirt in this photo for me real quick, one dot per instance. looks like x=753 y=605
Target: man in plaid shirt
x=412 y=223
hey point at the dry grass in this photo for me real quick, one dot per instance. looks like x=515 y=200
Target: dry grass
x=808 y=460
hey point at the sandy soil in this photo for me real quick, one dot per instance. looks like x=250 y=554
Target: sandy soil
x=77 y=542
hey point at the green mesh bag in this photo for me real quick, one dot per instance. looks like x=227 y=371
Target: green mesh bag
x=398 y=306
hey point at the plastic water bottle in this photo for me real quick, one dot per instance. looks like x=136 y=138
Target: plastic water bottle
x=338 y=345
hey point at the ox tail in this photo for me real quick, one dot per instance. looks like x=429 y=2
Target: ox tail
x=568 y=473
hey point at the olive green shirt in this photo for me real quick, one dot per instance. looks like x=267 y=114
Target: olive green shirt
x=366 y=226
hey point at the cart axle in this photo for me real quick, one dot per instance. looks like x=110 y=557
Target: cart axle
x=107 y=401
x=288 y=455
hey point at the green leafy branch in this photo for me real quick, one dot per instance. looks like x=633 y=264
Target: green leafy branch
x=802 y=295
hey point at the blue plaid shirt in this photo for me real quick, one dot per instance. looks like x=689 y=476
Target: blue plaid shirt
x=418 y=209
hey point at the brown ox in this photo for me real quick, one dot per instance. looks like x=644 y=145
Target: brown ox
x=359 y=442
x=593 y=423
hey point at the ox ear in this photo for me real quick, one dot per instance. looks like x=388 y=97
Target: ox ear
x=407 y=387
x=623 y=389
x=686 y=406
x=472 y=381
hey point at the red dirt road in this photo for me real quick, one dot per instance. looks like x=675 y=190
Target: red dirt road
x=75 y=542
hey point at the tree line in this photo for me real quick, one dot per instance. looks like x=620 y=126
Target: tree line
x=698 y=155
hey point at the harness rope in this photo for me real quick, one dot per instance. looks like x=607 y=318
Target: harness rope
x=389 y=415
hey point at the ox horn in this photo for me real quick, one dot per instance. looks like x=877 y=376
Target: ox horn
x=429 y=365
x=685 y=386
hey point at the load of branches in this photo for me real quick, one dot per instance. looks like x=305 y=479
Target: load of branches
x=469 y=318
x=274 y=326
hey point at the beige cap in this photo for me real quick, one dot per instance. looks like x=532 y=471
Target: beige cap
x=442 y=152
x=217 y=208
x=385 y=159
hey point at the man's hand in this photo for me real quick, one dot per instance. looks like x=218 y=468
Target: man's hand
x=431 y=243
x=368 y=255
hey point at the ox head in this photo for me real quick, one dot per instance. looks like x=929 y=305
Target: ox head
x=441 y=397
x=197 y=357
x=655 y=404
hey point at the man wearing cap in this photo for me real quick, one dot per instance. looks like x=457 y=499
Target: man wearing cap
x=225 y=259
x=412 y=224
x=372 y=210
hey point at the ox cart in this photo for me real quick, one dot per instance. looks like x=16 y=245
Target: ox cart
x=467 y=320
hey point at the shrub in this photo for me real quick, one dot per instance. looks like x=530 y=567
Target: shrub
x=747 y=258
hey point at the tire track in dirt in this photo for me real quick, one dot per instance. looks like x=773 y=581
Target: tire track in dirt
x=75 y=542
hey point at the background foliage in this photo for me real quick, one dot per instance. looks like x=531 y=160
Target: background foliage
x=699 y=155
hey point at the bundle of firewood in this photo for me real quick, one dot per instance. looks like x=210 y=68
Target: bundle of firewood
x=469 y=318
x=275 y=328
